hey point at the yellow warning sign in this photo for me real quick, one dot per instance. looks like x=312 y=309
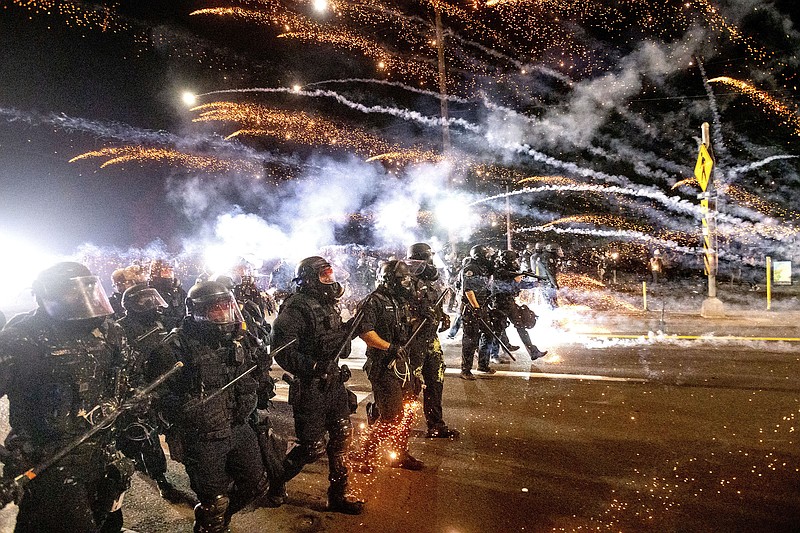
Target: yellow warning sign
x=702 y=170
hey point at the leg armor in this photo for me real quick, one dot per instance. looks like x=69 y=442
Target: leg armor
x=212 y=516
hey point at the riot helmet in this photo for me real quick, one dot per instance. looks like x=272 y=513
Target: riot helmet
x=68 y=291
x=315 y=274
x=508 y=260
x=227 y=281
x=143 y=300
x=212 y=306
x=126 y=277
x=395 y=276
x=423 y=253
x=482 y=254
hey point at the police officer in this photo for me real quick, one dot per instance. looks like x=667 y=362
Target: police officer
x=123 y=279
x=507 y=283
x=145 y=331
x=212 y=437
x=320 y=401
x=61 y=367
x=162 y=279
x=385 y=328
x=426 y=356
x=475 y=279
x=547 y=266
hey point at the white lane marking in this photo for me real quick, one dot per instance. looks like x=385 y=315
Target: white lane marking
x=519 y=374
x=282 y=393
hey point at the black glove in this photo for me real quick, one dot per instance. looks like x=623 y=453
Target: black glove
x=444 y=324
x=397 y=354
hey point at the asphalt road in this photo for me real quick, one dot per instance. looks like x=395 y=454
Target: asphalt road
x=605 y=433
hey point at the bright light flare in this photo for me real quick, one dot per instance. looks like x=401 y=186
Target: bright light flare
x=20 y=266
x=189 y=98
x=321 y=6
x=454 y=214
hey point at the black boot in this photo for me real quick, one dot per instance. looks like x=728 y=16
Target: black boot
x=167 y=490
x=276 y=494
x=340 y=502
x=535 y=352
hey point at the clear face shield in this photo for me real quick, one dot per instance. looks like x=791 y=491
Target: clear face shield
x=147 y=300
x=78 y=298
x=221 y=311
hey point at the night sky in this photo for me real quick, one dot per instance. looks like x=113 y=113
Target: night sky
x=554 y=94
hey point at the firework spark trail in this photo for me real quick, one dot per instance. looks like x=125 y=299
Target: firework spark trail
x=752 y=166
x=757 y=203
x=731 y=224
x=674 y=203
x=83 y=15
x=129 y=134
x=566 y=165
x=258 y=120
x=403 y=86
x=790 y=118
x=617 y=234
x=606 y=220
x=631 y=155
x=119 y=155
x=719 y=144
x=405 y=114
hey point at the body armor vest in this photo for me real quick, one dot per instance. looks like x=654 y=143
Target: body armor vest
x=63 y=378
x=208 y=369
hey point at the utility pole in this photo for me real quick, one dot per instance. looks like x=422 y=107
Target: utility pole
x=704 y=172
x=443 y=101
x=508 y=219
x=442 y=81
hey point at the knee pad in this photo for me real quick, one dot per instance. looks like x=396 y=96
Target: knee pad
x=306 y=453
x=340 y=433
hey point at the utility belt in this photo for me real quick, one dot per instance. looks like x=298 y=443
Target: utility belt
x=321 y=383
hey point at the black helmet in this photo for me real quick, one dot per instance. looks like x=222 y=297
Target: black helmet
x=69 y=291
x=420 y=251
x=480 y=252
x=423 y=254
x=141 y=299
x=212 y=305
x=316 y=274
x=395 y=276
x=227 y=281
x=508 y=260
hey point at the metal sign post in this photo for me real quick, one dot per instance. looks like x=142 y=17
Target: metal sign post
x=712 y=306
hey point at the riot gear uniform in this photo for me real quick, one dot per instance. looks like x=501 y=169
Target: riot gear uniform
x=61 y=367
x=213 y=438
x=162 y=278
x=123 y=279
x=506 y=286
x=547 y=267
x=320 y=401
x=145 y=331
x=385 y=328
x=426 y=356
x=474 y=279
